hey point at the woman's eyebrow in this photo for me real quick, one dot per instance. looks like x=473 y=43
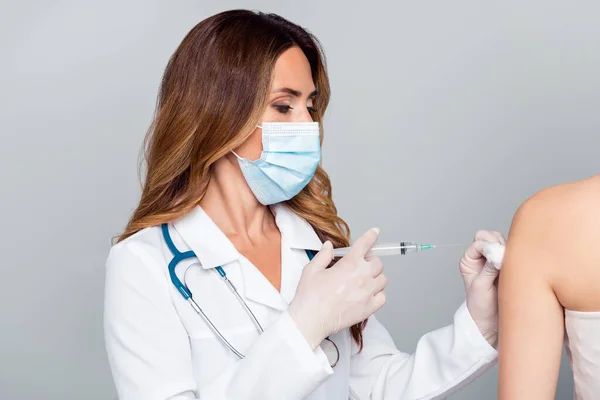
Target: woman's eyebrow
x=294 y=92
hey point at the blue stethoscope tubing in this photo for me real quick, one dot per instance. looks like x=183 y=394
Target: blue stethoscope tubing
x=187 y=294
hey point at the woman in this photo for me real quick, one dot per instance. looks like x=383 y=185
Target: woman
x=550 y=283
x=244 y=86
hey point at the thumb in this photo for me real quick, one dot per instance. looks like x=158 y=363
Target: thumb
x=487 y=277
x=323 y=258
x=364 y=243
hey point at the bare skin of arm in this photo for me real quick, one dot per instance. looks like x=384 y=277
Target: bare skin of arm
x=552 y=262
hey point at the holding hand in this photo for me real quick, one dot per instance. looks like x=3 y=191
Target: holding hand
x=328 y=300
x=479 y=276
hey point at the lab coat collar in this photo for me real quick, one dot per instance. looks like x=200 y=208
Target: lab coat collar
x=211 y=246
x=214 y=249
x=296 y=233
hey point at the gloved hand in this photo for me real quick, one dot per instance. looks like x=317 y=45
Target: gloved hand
x=329 y=300
x=479 y=276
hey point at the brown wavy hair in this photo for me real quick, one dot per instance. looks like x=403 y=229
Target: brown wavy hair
x=212 y=95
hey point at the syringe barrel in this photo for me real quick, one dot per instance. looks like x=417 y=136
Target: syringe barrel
x=408 y=247
x=383 y=249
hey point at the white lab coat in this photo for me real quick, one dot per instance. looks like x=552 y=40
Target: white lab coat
x=159 y=348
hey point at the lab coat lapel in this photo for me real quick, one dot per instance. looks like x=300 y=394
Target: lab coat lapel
x=257 y=287
x=297 y=236
x=291 y=270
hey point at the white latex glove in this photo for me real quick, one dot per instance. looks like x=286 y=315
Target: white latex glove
x=329 y=300
x=479 y=277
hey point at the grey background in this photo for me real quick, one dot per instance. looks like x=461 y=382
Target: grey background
x=445 y=116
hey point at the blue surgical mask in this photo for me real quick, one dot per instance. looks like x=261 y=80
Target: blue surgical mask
x=290 y=156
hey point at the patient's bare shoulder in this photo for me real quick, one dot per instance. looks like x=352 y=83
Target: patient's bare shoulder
x=563 y=211
x=563 y=224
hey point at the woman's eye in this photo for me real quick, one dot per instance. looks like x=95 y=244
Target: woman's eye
x=311 y=109
x=283 y=109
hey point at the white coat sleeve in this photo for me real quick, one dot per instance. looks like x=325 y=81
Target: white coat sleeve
x=445 y=361
x=149 y=349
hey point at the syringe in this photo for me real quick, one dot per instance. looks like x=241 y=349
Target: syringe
x=393 y=249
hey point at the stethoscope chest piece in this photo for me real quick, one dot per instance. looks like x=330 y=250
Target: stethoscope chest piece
x=331 y=351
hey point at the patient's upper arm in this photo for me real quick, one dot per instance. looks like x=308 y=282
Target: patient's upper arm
x=531 y=318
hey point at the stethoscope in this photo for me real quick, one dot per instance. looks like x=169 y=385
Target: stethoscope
x=328 y=346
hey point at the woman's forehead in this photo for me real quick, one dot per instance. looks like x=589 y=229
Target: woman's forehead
x=292 y=70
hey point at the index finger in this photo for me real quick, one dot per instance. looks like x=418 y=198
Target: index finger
x=492 y=237
x=364 y=243
x=475 y=250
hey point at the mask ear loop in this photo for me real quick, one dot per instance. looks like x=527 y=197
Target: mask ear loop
x=235 y=154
